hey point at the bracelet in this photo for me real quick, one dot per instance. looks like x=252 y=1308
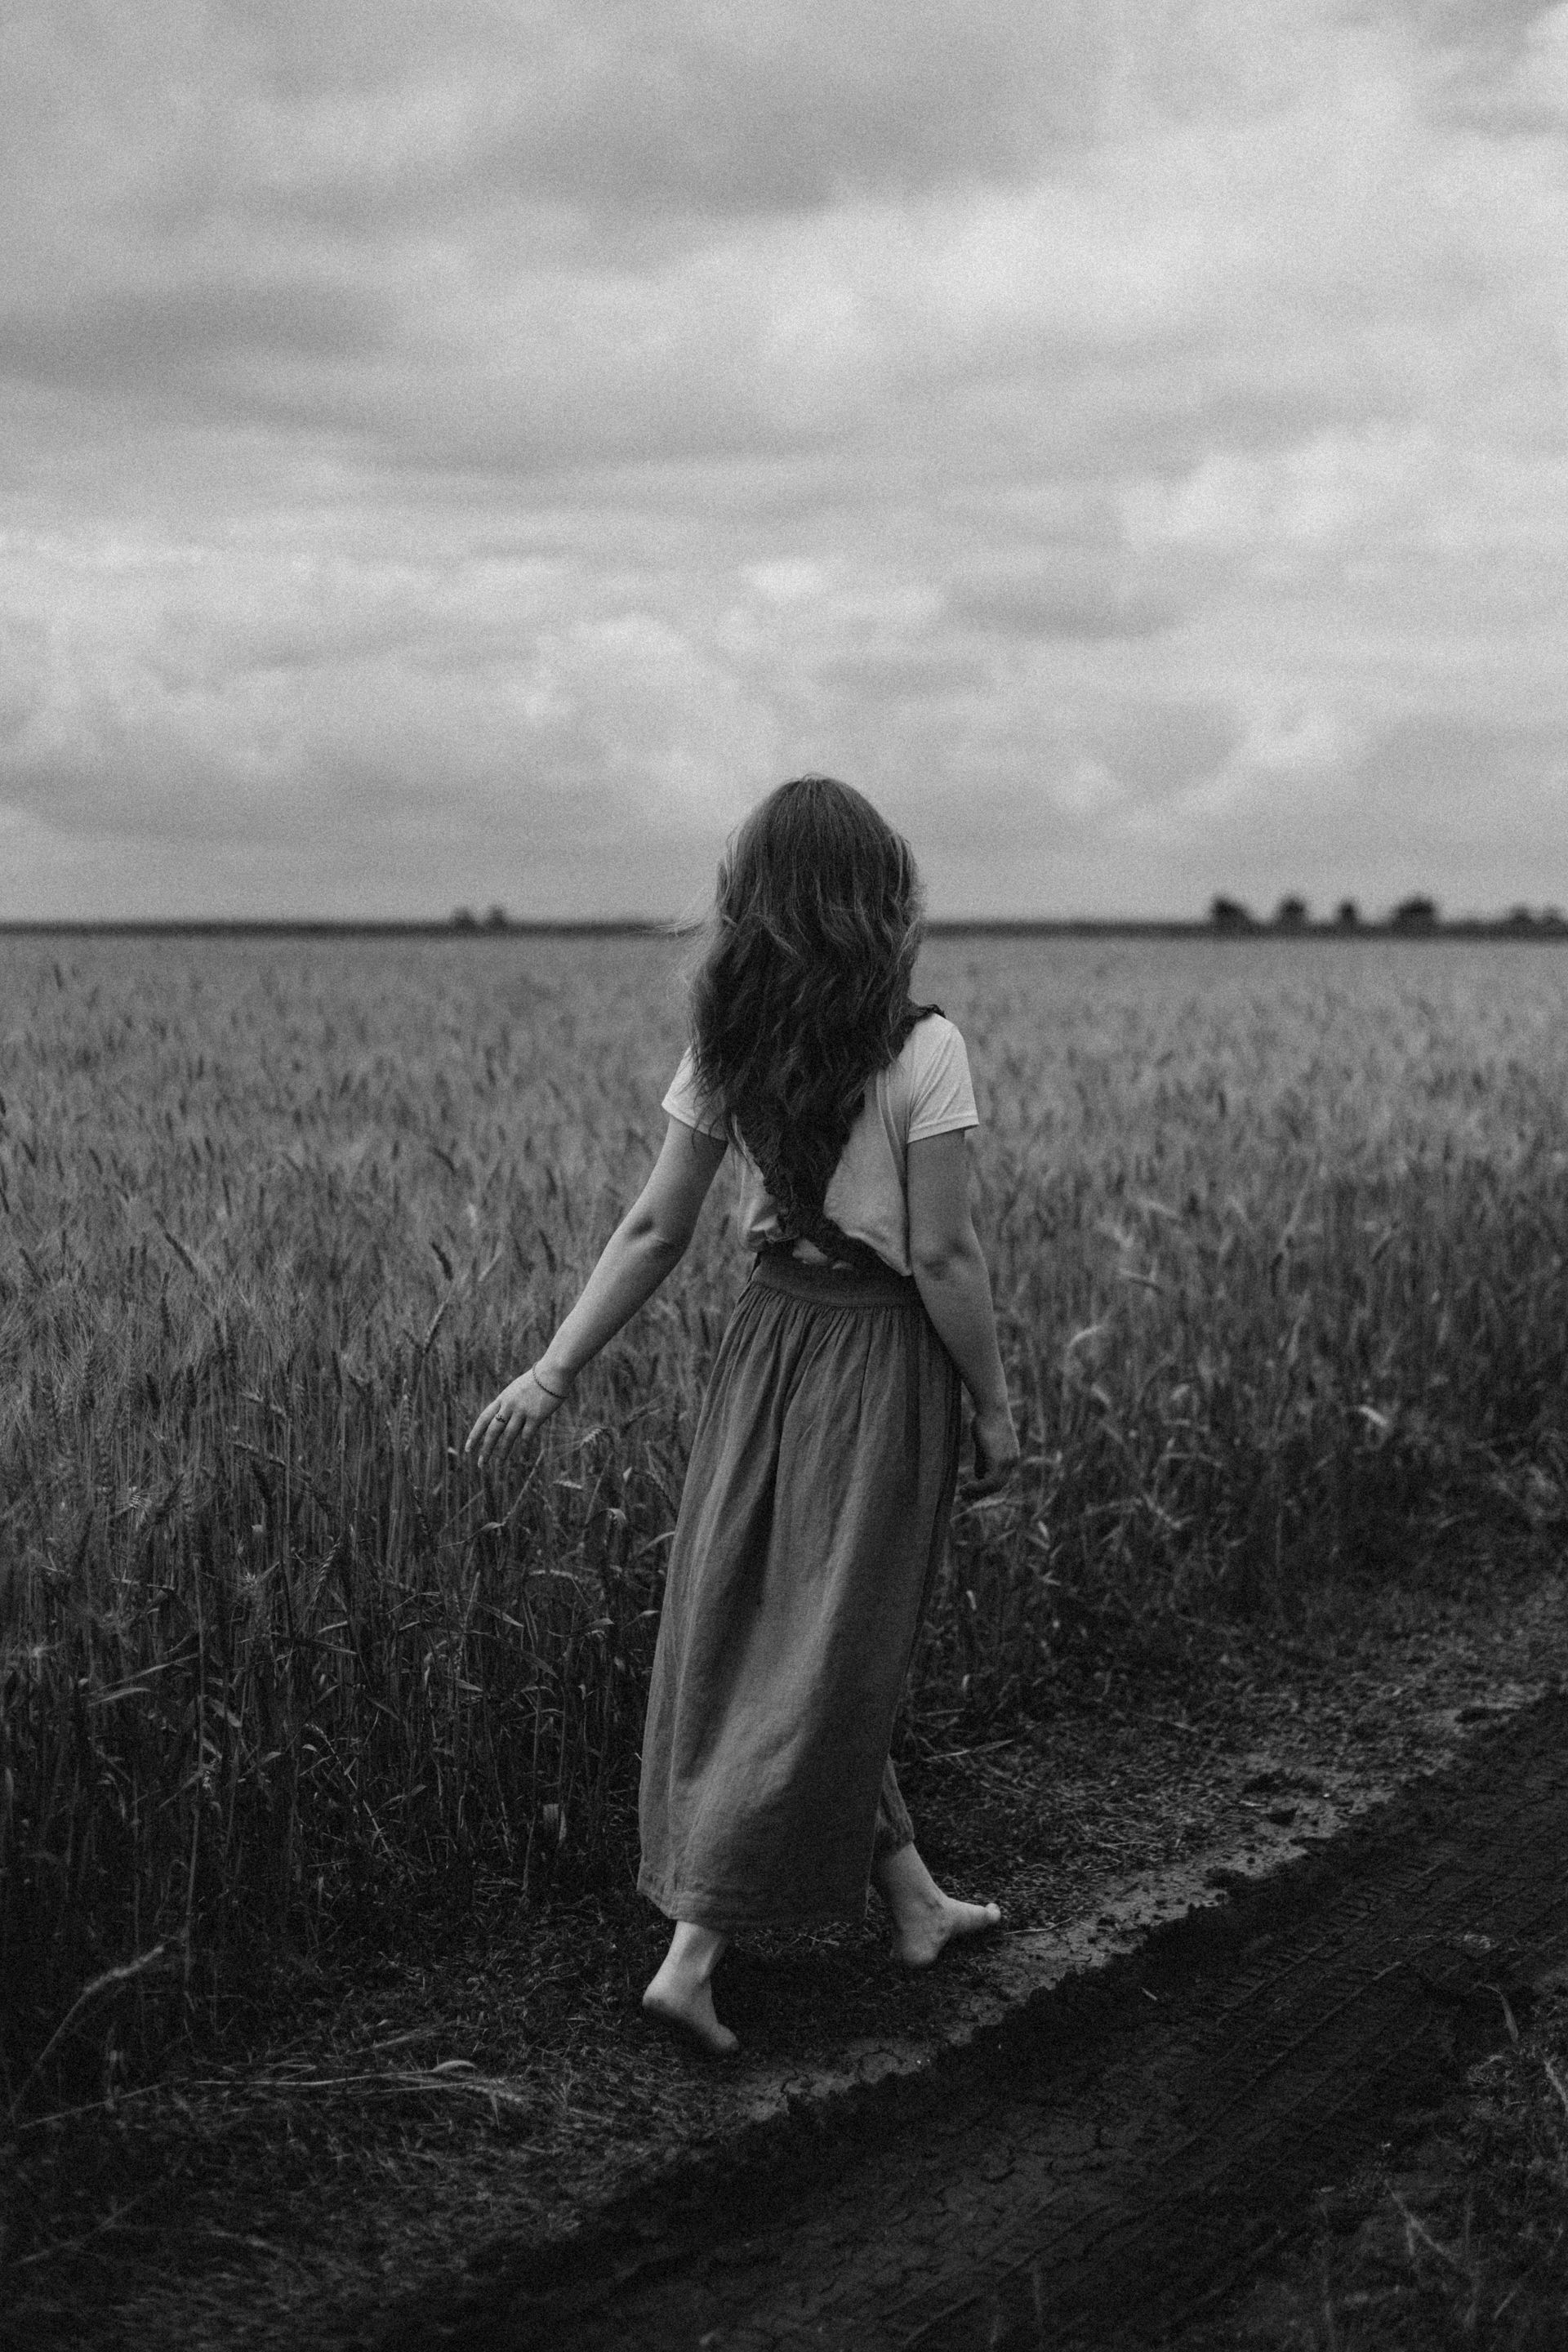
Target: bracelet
x=559 y=1394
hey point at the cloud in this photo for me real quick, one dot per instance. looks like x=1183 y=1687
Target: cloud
x=1075 y=594
x=500 y=439
x=1161 y=748
x=902 y=679
x=133 y=337
x=647 y=107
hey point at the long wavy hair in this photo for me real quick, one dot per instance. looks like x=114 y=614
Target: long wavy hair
x=802 y=992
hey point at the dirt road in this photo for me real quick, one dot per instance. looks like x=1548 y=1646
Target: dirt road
x=1116 y=2157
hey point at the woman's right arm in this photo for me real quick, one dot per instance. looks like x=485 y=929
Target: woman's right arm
x=949 y=1271
x=647 y=1243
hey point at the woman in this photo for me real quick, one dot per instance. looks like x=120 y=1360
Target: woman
x=822 y=1472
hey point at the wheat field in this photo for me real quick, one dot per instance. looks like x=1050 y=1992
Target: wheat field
x=1277 y=1231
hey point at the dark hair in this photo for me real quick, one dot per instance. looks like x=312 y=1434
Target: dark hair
x=803 y=991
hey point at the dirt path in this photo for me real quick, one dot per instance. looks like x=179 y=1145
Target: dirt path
x=1122 y=2154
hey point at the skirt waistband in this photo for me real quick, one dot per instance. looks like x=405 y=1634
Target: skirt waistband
x=833 y=1286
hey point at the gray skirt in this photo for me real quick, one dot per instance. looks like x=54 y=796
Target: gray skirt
x=811 y=1528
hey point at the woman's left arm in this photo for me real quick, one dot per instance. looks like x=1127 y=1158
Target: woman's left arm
x=648 y=1243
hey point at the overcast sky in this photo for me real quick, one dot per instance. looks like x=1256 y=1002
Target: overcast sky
x=466 y=451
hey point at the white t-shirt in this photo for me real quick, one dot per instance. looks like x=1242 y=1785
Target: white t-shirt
x=925 y=1090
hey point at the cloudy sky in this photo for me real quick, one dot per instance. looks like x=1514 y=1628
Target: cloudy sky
x=464 y=450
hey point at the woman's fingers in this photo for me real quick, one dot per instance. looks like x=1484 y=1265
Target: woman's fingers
x=498 y=1436
x=990 y=1477
x=479 y=1436
x=497 y=1425
x=996 y=1462
x=521 y=1406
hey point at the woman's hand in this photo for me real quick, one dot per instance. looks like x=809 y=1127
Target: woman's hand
x=524 y=1405
x=995 y=1449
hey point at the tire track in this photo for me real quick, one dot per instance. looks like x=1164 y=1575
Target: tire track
x=1125 y=2150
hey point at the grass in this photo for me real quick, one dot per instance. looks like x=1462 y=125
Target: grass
x=1277 y=1244
x=1456 y=2234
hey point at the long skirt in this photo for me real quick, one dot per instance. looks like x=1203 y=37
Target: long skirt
x=811 y=1528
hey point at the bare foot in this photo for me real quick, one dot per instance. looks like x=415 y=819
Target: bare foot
x=681 y=1993
x=925 y=1919
x=918 y=1943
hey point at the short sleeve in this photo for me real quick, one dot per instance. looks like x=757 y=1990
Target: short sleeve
x=688 y=1103
x=941 y=1095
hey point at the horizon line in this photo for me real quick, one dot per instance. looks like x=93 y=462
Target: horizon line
x=1517 y=925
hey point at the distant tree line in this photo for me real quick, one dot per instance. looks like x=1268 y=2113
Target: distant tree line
x=1416 y=915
